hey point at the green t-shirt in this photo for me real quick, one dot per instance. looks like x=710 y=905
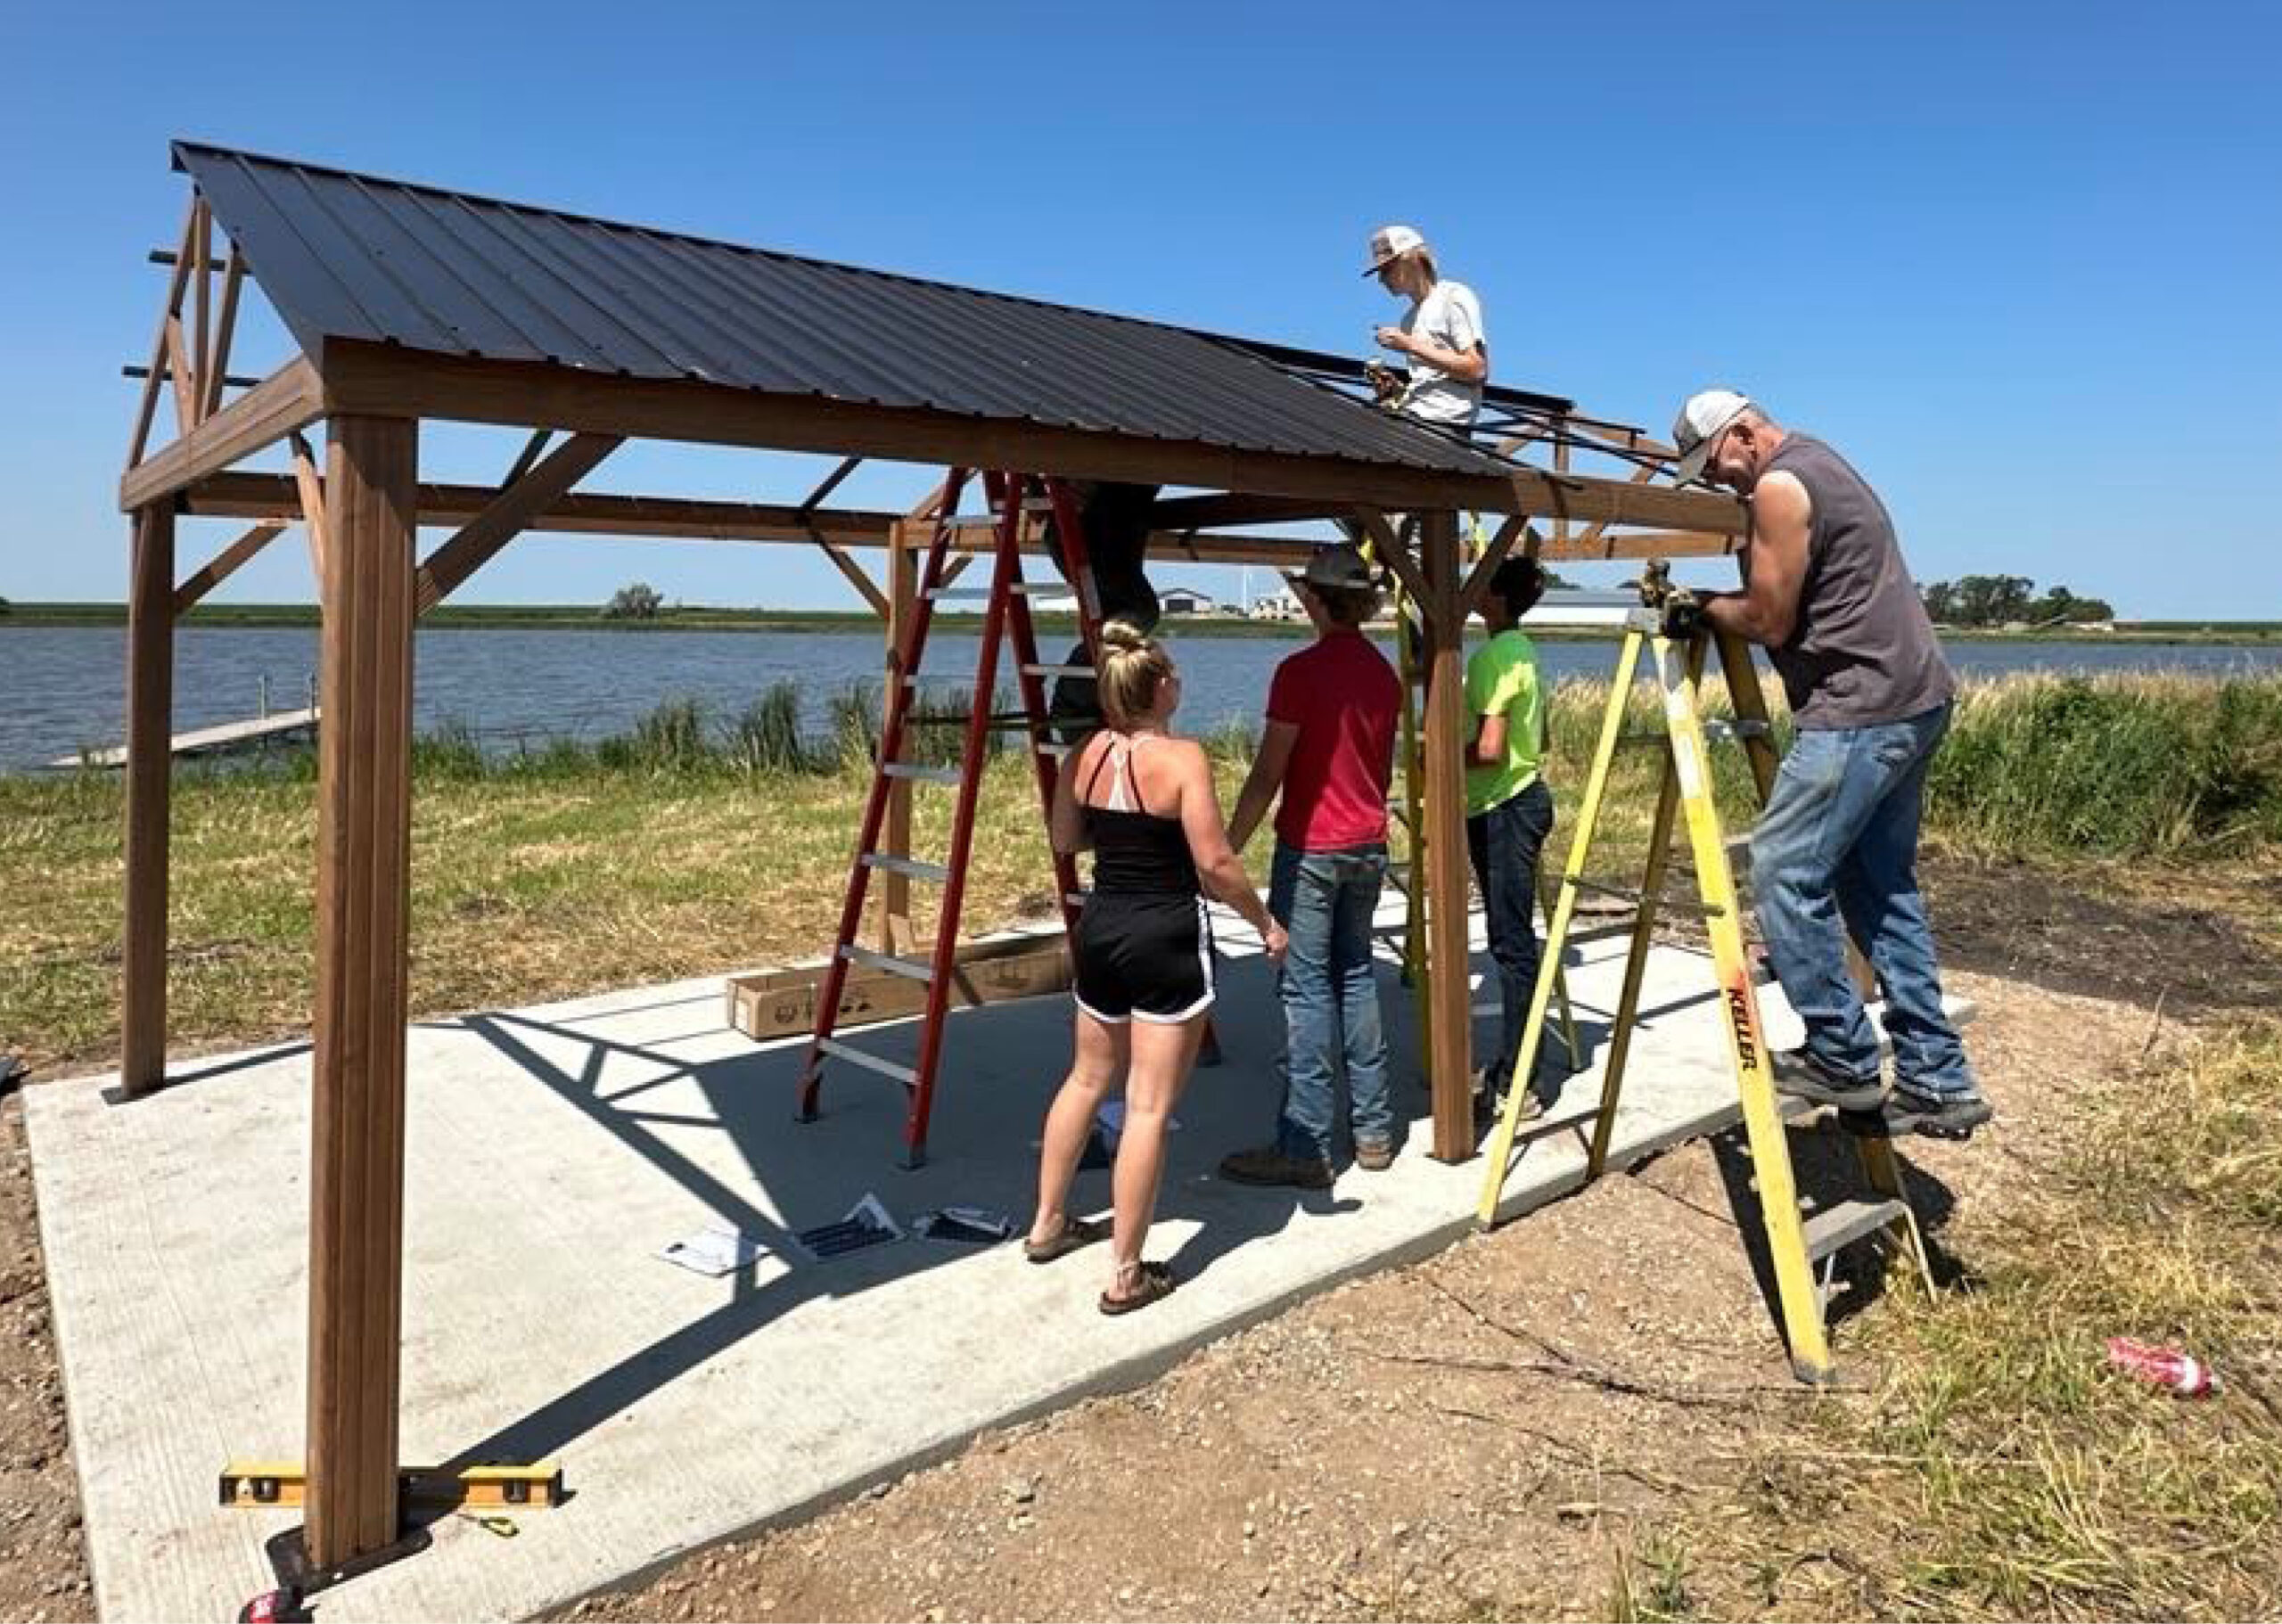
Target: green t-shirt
x=1501 y=679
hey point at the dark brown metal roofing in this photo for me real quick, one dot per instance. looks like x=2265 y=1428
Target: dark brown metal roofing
x=350 y=257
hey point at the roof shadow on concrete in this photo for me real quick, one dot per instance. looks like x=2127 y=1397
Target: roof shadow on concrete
x=1001 y=1066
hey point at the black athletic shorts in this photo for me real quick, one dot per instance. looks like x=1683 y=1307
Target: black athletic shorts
x=1144 y=956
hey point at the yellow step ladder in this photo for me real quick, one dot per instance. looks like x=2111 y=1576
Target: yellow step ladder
x=1797 y=1240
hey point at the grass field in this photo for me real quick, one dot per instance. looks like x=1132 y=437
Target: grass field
x=699 y=843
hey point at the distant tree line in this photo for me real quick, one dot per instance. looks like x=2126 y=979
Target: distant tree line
x=2008 y=600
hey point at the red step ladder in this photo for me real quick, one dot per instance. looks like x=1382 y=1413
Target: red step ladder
x=1006 y=616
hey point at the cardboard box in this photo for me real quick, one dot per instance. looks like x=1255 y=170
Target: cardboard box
x=993 y=970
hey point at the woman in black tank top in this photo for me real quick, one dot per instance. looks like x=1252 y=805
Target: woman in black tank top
x=1144 y=801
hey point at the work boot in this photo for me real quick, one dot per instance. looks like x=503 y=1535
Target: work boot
x=1269 y=1165
x=1374 y=1155
x=1907 y=1111
x=1802 y=1077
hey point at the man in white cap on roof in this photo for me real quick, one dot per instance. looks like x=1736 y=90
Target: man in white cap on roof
x=1324 y=759
x=1441 y=334
x=1836 y=853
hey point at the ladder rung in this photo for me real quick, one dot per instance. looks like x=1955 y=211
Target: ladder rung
x=1843 y=1223
x=870 y=1062
x=1043 y=671
x=913 y=868
x=1721 y=730
x=921 y=775
x=888 y=962
x=1633 y=895
x=1076 y=899
x=1054 y=748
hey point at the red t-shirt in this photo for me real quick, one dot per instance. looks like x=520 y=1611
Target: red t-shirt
x=1343 y=697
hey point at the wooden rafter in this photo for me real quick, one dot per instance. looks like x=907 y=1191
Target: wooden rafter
x=218 y=366
x=150 y=403
x=507 y=516
x=226 y=564
x=202 y=246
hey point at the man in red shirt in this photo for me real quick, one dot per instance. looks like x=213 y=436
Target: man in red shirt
x=1328 y=749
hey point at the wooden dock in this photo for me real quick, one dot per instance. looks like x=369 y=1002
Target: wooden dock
x=223 y=735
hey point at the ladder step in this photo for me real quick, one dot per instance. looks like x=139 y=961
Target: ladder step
x=888 y=962
x=921 y=775
x=1843 y=1223
x=1044 y=670
x=1633 y=895
x=1055 y=748
x=1720 y=731
x=870 y=1062
x=912 y=868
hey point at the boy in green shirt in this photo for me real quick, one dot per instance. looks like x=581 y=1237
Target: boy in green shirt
x=1509 y=810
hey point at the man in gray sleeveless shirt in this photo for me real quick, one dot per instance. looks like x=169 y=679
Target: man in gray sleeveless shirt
x=1836 y=853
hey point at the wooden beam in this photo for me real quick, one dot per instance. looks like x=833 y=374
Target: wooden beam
x=1477 y=585
x=831 y=482
x=217 y=373
x=506 y=515
x=866 y=587
x=1387 y=546
x=202 y=281
x=309 y=495
x=357 y=1101
x=363 y=377
x=185 y=382
x=1639 y=544
x=225 y=565
x=240 y=495
x=1450 y=991
x=894 y=913
x=150 y=770
x=527 y=455
x=290 y=399
x=149 y=407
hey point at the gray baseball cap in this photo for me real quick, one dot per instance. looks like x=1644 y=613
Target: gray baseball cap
x=1338 y=565
x=1702 y=420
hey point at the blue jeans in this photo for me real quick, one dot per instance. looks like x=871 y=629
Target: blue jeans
x=1838 y=847
x=1504 y=843
x=1325 y=901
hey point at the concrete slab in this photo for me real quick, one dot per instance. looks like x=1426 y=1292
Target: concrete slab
x=555 y=1151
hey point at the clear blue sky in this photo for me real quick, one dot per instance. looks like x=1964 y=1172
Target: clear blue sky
x=2020 y=262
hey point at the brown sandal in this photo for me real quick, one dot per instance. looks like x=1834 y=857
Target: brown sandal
x=1151 y=1282
x=1074 y=1232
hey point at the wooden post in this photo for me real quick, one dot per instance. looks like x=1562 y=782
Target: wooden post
x=364 y=841
x=895 y=891
x=1450 y=1022
x=149 y=772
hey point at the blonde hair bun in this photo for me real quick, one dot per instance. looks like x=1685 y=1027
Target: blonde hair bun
x=1134 y=667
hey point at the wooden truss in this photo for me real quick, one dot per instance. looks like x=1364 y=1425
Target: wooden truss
x=363 y=510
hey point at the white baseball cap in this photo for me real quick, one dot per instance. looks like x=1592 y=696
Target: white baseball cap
x=1700 y=422
x=1391 y=243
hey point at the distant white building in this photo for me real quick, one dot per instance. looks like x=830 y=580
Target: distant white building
x=1185 y=600
x=1278 y=605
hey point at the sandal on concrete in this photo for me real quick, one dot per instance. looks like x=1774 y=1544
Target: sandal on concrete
x=1150 y=1283
x=1075 y=1232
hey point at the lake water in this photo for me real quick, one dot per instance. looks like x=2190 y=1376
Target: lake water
x=63 y=688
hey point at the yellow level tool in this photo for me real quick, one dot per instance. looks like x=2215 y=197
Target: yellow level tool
x=1796 y=1241
x=263 y=1484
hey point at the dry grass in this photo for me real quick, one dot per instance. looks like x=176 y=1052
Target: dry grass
x=2002 y=1469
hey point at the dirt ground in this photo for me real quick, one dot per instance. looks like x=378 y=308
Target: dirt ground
x=1498 y=1430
